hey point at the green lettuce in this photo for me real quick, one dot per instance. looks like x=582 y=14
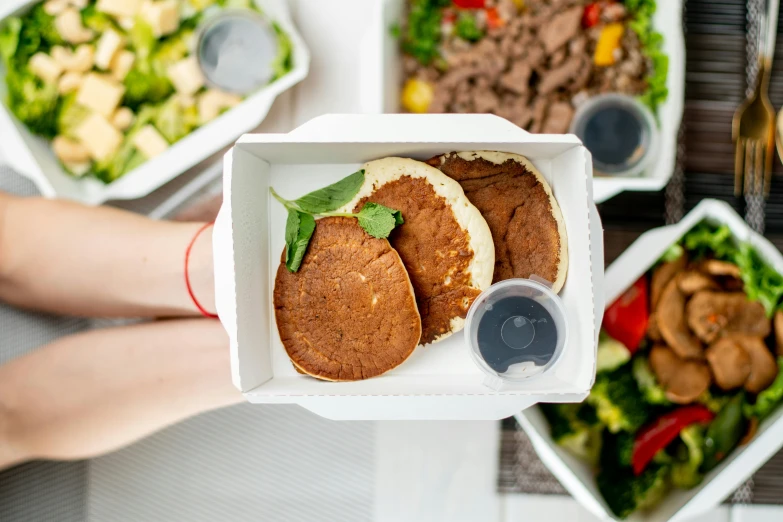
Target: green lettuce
x=652 y=47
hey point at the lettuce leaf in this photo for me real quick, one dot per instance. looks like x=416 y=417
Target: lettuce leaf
x=652 y=47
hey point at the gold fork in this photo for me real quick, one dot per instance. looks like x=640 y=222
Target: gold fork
x=753 y=126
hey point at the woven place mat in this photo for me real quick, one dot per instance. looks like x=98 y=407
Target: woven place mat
x=719 y=37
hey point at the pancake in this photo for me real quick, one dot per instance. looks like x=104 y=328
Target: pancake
x=349 y=313
x=445 y=243
x=517 y=202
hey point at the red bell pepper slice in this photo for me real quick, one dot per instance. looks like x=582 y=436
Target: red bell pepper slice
x=470 y=4
x=626 y=319
x=493 y=18
x=663 y=431
x=591 y=15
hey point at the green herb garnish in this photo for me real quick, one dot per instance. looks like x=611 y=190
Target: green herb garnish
x=652 y=43
x=467 y=29
x=377 y=220
x=421 y=36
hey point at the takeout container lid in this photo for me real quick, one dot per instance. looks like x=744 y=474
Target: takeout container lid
x=33 y=158
x=382 y=77
x=680 y=505
x=439 y=381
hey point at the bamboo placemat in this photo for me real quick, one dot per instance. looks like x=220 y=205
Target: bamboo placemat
x=720 y=39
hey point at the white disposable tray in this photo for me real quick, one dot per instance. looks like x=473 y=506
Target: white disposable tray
x=382 y=80
x=439 y=381
x=32 y=156
x=578 y=477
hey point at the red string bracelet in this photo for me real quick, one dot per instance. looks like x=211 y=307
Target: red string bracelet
x=187 y=275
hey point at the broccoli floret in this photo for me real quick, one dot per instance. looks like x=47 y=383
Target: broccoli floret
x=172 y=120
x=685 y=471
x=617 y=450
x=575 y=427
x=33 y=102
x=652 y=392
x=171 y=50
x=611 y=353
x=713 y=402
x=38 y=34
x=71 y=115
x=143 y=85
x=96 y=20
x=618 y=401
x=625 y=493
x=9 y=40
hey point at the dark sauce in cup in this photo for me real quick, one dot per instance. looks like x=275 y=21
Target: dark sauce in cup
x=514 y=330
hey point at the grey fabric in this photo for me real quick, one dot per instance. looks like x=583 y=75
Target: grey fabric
x=246 y=463
x=39 y=491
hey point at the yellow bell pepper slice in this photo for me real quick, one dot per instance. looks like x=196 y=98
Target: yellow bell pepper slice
x=417 y=95
x=608 y=41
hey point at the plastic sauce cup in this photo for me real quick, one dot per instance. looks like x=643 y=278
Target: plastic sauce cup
x=516 y=330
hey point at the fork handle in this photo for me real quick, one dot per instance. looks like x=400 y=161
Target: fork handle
x=771 y=30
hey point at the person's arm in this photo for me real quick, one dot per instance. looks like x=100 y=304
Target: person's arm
x=66 y=258
x=91 y=393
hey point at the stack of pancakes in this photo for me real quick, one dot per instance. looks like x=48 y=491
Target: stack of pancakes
x=359 y=306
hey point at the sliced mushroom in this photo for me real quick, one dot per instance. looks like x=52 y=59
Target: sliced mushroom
x=729 y=362
x=692 y=281
x=763 y=367
x=661 y=277
x=720 y=268
x=779 y=332
x=683 y=381
x=653 y=332
x=711 y=314
x=670 y=316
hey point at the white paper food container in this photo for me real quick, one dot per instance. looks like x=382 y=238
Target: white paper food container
x=383 y=77
x=439 y=381
x=32 y=156
x=680 y=505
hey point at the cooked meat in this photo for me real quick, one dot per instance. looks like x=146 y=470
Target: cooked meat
x=661 y=277
x=692 y=281
x=517 y=79
x=653 y=332
x=729 y=362
x=763 y=367
x=559 y=118
x=779 y=332
x=560 y=76
x=683 y=381
x=671 y=322
x=561 y=28
x=711 y=314
x=720 y=268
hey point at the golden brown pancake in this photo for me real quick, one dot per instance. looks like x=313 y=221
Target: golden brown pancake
x=445 y=243
x=520 y=209
x=349 y=313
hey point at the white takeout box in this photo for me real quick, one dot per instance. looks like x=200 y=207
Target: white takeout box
x=383 y=76
x=680 y=505
x=32 y=156
x=439 y=381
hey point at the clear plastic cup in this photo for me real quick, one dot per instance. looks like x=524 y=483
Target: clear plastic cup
x=235 y=50
x=619 y=131
x=516 y=330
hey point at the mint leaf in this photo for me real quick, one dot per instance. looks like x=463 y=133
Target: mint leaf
x=291 y=233
x=295 y=253
x=378 y=220
x=332 y=197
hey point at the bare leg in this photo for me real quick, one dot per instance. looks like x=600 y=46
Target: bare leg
x=61 y=257
x=94 y=392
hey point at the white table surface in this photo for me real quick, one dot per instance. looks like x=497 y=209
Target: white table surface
x=424 y=471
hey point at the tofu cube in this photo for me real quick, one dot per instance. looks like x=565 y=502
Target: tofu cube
x=163 y=16
x=186 y=76
x=212 y=102
x=45 y=67
x=99 y=137
x=101 y=94
x=149 y=142
x=111 y=41
x=122 y=64
x=119 y=8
